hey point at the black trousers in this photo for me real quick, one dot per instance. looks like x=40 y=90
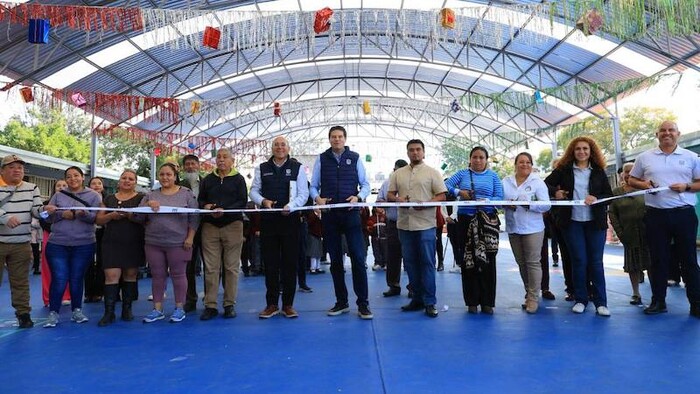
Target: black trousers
x=95 y=274
x=302 y=261
x=279 y=242
x=191 y=269
x=394 y=256
x=681 y=226
x=478 y=283
x=438 y=245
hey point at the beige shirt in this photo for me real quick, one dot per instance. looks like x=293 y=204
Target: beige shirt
x=420 y=183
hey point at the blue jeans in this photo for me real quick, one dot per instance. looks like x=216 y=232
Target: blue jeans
x=337 y=222
x=418 y=250
x=585 y=244
x=68 y=264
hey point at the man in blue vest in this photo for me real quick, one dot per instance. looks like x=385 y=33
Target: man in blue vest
x=339 y=177
x=280 y=182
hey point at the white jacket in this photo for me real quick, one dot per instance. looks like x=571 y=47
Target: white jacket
x=525 y=220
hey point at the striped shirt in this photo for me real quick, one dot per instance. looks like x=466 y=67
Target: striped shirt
x=24 y=204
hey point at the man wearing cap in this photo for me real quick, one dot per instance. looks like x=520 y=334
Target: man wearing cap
x=393 y=264
x=19 y=202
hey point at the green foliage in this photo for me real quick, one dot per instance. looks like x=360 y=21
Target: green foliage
x=544 y=160
x=47 y=132
x=455 y=153
x=637 y=128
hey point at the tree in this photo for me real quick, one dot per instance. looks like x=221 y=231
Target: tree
x=637 y=127
x=455 y=153
x=45 y=132
x=544 y=160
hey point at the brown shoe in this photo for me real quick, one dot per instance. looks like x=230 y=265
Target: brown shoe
x=531 y=306
x=288 y=311
x=270 y=311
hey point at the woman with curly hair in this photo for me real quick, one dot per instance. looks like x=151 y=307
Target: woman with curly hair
x=580 y=175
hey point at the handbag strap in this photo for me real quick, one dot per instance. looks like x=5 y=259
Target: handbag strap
x=471 y=179
x=7 y=198
x=76 y=198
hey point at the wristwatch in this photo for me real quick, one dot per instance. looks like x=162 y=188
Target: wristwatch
x=688 y=187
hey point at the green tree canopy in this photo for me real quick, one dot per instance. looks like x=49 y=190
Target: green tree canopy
x=46 y=132
x=637 y=128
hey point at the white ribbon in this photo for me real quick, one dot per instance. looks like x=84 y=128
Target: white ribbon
x=477 y=203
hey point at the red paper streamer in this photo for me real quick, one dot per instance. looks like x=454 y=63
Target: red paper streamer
x=76 y=17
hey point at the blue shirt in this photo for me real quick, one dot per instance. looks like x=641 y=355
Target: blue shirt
x=487 y=186
x=581 y=213
x=315 y=188
x=391 y=213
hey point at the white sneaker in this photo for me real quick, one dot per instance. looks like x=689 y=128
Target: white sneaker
x=456 y=270
x=579 y=308
x=376 y=267
x=603 y=311
x=78 y=316
x=52 y=320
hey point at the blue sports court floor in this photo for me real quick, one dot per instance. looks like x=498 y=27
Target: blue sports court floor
x=554 y=351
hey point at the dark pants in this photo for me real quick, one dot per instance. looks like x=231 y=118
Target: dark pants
x=438 y=245
x=679 y=225
x=456 y=242
x=544 y=262
x=478 y=283
x=674 y=265
x=191 y=271
x=394 y=256
x=95 y=274
x=68 y=265
x=565 y=259
x=36 y=255
x=302 y=261
x=337 y=222
x=279 y=240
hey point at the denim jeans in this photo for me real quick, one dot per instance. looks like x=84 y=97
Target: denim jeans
x=586 y=244
x=68 y=264
x=418 y=250
x=335 y=223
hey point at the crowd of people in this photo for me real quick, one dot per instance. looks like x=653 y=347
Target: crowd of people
x=96 y=254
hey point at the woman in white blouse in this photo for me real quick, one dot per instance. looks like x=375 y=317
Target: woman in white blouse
x=525 y=225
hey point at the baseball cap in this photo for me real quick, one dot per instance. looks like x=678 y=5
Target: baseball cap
x=9 y=159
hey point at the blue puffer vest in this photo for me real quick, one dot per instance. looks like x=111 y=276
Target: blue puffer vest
x=339 y=180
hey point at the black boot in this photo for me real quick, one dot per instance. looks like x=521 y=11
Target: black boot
x=109 y=297
x=128 y=295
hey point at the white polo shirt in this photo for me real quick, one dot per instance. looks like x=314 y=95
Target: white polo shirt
x=679 y=166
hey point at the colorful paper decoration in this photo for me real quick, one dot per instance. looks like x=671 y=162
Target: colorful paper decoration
x=195 y=107
x=590 y=22
x=39 y=31
x=366 y=108
x=447 y=18
x=27 y=94
x=322 y=20
x=212 y=36
x=156 y=151
x=277 y=109
x=78 y=100
x=538 y=97
x=368 y=158
x=454 y=107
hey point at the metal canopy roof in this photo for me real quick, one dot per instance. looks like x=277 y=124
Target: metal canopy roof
x=407 y=74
